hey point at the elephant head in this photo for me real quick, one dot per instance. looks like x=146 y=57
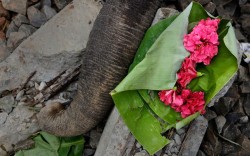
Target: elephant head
x=113 y=41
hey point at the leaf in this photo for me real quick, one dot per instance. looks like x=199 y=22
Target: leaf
x=142 y=124
x=50 y=145
x=154 y=68
x=152 y=73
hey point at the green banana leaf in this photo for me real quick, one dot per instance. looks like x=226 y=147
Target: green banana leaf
x=50 y=145
x=155 y=65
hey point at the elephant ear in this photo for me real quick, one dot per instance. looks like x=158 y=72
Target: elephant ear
x=154 y=68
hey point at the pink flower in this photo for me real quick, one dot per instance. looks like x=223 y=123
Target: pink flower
x=166 y=96
x=170 y=97
x=193 y=103
x=187 y=72
x=202 y=42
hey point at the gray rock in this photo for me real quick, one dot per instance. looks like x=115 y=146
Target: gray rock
x=209 y=115
x=158 y=153
x=241 y=2
x=20 y=19
x=184 y=3
x=27 y=29
x=220 y=122
x=163 y=13
x=246 y=25
x=177 y=139
x=234 y=117
x=24 y=145
x=46 y=2
x=6 y=103
x=210 y=7
x=3 y=117
x=224 y=105
x=19 y=125
x=88 y=152
x=142 y=153
x=42 y=86
x=203 y=2
x=48 y=11
x=245 y=143
x=243 y=74
x=94 y=138
x=231 y=131
x=194 y=137
x=228 y=148
x=19 y=95
x=246 y=104
x=51 y=50
x=245 y=8
x=11 y=28
x=245 y=87
x=240 y=37
x=18 y=6
x=244 y=120
x=138 y=145
x=15 y=39
x=36 y=17
x=233 y=92
x=245 y=129
x=4 y=12
x=180 y=131
x=60 y=3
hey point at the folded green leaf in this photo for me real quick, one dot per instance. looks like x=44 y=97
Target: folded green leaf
x=156 y=63
x=50 y=145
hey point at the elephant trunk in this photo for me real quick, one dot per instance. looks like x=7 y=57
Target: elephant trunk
x=113 y=41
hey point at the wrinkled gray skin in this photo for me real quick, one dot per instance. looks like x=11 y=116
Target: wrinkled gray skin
x=114 y=39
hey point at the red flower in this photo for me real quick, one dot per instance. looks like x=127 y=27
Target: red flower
x=193 y=103
x=186 y=73
x=170 y=97
x=202 y=42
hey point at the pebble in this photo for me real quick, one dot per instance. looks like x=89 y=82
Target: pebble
x=94 y=138
x=142 y=153
x=220 y=122
x=46 y=2
x=88 y=152
x=23 y=99
x=48 y=11
x=36 y=86
x=39 y=105
x=177 y=139
x=27 y=29
x=60 y=3
x=30 y=84
x=138 y=145
x=4 y=51
x=6 y=103
x=18 y=6
x=15 y=39
x=38 y=97
x=42 y=86
x=3 y=12
x=11 y=28
x=20 y=19
x=36 y=17
x=244 y=119
x=19 y=95
x=180 y=131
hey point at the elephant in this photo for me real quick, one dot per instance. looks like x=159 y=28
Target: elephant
x=113 y=41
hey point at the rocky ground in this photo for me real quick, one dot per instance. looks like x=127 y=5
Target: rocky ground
x=228 y=129
x=21 y=18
